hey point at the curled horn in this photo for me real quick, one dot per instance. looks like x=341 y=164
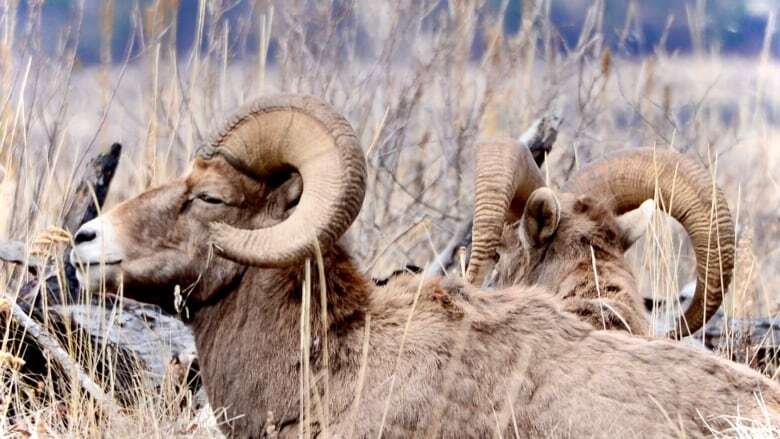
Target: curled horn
x=287 y=132
x=688 y=191
x=505 y=177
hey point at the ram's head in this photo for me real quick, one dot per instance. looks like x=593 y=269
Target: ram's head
x=283 y=174
x=597 y=215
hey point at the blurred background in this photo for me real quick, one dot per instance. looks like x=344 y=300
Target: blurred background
x=631 y=28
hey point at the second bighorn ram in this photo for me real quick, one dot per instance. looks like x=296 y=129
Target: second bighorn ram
x=426 y=356
x=573 y=241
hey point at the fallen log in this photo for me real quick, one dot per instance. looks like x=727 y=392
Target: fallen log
x=134 y=343
x=151 y=338
x=49 y=345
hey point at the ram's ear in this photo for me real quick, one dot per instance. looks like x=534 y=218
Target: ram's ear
x=633 y=223
x=542 y=216
x=287 y=194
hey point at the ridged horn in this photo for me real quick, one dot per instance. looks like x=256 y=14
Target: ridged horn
x=278 y=133
x=505 y=177
x=687 y=190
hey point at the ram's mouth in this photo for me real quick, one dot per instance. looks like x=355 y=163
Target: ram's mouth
x=83 y=265
x=100 y=263
x=84 y=261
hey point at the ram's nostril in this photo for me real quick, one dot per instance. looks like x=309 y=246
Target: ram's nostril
x=84 y=236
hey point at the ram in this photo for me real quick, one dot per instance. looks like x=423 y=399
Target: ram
x=428 y=356
x=573 y=241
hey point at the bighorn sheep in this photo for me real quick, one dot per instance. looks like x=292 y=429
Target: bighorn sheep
x=568 y=240
x=431 y=356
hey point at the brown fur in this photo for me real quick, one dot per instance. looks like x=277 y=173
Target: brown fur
x=564 y=264
x=471 y=364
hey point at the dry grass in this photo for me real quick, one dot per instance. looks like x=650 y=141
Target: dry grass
x=405 y=75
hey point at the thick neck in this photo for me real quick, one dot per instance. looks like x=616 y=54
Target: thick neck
x=249 y=343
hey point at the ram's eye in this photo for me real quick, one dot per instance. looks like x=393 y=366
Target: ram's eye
x=210 y=199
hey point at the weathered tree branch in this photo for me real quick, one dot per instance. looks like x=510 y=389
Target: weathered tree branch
x=93 y=188
x=140 y=337
x=50 y=345
x=85 y=203
x=541 y=137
